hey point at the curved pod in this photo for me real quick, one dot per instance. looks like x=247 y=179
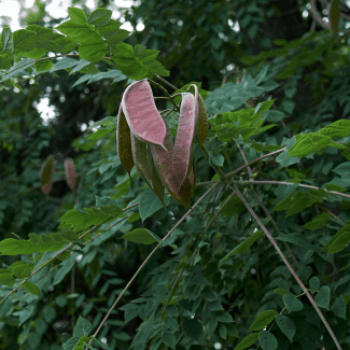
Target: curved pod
x=183 y=151
x=142 y=115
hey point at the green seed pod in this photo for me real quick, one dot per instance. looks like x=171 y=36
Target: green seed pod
x=124 y=142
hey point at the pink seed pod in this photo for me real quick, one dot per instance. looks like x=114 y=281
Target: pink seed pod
x=142 y=115
x=124 y=142
x=183 y=151
x=46 y=188
x=70 y=173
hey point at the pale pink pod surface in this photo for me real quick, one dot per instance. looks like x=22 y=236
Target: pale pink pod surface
x=183 y=150
x=142 y=115
x=124 y=142
x=70 y=173
x=163 y=162
x=46 y=188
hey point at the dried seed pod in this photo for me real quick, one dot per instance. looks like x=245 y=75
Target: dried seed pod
x=142 y=115
x=142 y=158
x=70 y=173
x=183 y=150
x=47 y=170
x=124 y=142
x=46 y=188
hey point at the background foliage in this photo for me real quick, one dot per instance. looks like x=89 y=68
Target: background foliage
x=274 y=75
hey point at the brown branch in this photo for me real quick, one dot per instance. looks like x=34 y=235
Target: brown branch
x=317 y=16
x=301 y=284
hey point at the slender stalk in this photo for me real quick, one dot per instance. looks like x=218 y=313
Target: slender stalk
x=250 y=173
x=228 y=175
x=289 y=184
x=166 y=82
x=206 y=183
x=146 y=260
x=220 y=210
x=166 y=93
x=301 y=284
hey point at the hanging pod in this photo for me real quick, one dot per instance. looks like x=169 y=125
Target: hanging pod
x=69 y=170
x=145 y=166
x=142 y=115
x=182 y=162
x=124 y=142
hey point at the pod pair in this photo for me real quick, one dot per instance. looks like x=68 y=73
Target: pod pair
x=144 y=140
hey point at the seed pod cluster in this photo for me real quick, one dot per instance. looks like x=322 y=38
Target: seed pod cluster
x=144 y=140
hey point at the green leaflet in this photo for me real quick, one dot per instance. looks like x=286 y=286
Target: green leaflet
x=137 y=63
x=243 y=247
x=78 y=220
x=92 y=47
x=7 y=41
x=31 y=288
x=141 y=236
x=247 y=341
x=263 y=319
x=45 y=243
x=286 y=326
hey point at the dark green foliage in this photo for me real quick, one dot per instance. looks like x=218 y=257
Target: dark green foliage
x=67 y=257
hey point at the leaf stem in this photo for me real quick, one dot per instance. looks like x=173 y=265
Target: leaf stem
x=166 y=93
x=166 y=82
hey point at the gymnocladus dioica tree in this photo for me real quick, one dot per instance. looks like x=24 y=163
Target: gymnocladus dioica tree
x=234 y=275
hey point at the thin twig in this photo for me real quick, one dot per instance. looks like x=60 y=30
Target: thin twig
x=146 y=260
x=266 y=182
x=317 y=16
x=166 y=93
x=252 y=162
x=301 y=284
x=220 y=210
x=166 y=82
